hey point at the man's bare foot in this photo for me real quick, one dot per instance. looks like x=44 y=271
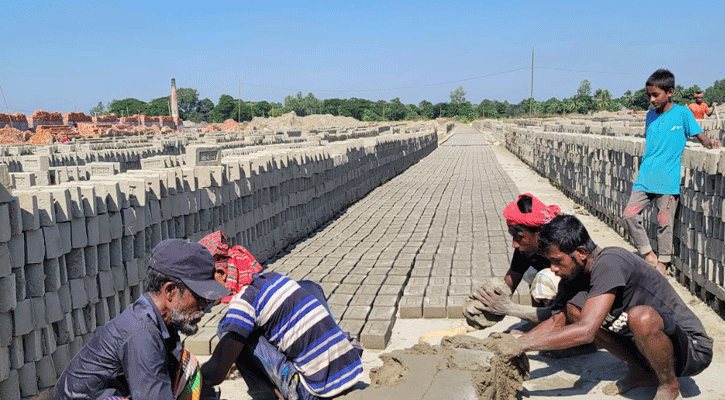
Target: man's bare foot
x=628 y=383
x=651 y=258
x=667 y=392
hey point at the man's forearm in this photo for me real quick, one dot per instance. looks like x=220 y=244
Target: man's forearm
x=529 y=313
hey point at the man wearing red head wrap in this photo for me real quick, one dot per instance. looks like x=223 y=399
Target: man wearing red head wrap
x=524 y=218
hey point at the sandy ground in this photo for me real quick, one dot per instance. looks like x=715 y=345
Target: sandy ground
x=579 y=377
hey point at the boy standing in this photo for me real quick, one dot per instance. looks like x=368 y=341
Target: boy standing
x=700 y=109
x=667 y=128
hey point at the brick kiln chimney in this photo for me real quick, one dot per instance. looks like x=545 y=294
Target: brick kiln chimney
x=174 y=100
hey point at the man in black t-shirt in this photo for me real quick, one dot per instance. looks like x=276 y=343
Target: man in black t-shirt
x=524 y=218
x=613 y=298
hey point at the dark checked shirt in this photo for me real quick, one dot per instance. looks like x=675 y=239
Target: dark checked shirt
x=134 y=355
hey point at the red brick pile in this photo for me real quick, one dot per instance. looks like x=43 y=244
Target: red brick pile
x=146 y=120
x=10 y=135
x=47 y=134
x=8 y=118
x=130 y=120
x=87 y=129
x=40 y=115
x=231 y=125
x=212 y=128
x=71 y=117
x=108 y=118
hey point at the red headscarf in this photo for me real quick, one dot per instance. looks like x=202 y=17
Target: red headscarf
x=237 y=261
x=540 y=214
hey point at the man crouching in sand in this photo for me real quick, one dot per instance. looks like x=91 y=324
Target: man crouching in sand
x=612 y=297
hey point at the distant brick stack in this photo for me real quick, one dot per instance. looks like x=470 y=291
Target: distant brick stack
x=93 y=129
x=17 y=121
x=71 y=118
x=41 y=117
x=47 y=134
x=166 y=121
x=133 y=120
x=145 y=120
x=212 y=128
x=110 y=118
x=10 y=135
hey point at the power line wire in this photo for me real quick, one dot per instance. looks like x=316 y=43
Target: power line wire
x=586 y=72
x=389 y=88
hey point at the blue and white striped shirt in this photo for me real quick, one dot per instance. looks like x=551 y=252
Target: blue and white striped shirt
x=301 y=327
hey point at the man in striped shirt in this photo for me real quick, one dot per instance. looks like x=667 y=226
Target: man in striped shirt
x=285 y=328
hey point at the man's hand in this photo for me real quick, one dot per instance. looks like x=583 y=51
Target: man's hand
x=493 y=301
x=509 y=346
x=712 y=144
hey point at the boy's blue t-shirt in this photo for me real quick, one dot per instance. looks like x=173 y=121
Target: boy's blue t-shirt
x=666 y=135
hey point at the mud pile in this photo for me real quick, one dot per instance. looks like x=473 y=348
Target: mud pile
x=476 y=367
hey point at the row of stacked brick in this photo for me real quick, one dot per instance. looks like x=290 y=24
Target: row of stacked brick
x=74 y=255
x=598 y=171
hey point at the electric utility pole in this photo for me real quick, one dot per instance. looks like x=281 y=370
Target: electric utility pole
x=531 y=98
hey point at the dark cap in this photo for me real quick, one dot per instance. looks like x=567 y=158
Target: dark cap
x=192 y=263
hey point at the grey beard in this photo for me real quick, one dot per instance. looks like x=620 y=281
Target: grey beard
x=183 y=322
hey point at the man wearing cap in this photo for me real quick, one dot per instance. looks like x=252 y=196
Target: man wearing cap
x=700 y=109
x=138 y=354
x=524 y=217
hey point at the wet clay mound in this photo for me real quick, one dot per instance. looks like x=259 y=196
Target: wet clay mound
x=482 y=319
x=391 y=373
x=462 y=367
x=503 y=378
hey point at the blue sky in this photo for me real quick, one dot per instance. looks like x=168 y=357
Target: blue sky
x=68 y=56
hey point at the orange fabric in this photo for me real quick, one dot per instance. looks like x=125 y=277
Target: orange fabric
x=699 y=110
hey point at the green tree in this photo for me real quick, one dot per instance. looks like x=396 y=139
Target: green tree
x=440 y=110
x=311 y=105
x=411 y=113
x=97 y=110
x=226 y=108
x=715 y=93
x=585 y=89
x=370 y=115
x=552 y=106
x=331 y=106
x=458 y=95
x=187 y=101
x=640 y=100
x=396 y=111
x=295 y=103
x=204 y=108
x=276 y=112
x=126 y=107
x=425 y=108
x=159 y=106
x=261 y=108
x=194 y=116
x=602 y=99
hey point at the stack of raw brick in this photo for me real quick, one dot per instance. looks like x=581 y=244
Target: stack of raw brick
x=74 y=255
x=47 y=134
x=41 y=117
x=74 y=118
x=108 y=118
x=598 y=171
x=17 y=121
x=133 y=120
